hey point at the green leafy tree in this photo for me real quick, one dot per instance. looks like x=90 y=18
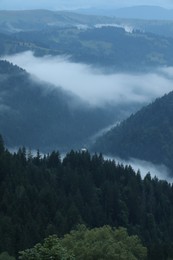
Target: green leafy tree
x=104 y=243
x=6 y=256
x=50 y=249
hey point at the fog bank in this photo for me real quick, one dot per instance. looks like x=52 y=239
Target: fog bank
x=160 y=171
x=91 y=84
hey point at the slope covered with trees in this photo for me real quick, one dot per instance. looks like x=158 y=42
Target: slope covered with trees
x=36 y=114
x=106 y=47
x=45 y=195
x=146 y=135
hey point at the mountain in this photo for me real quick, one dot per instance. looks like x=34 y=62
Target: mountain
x=146 y=135
x=119 y=44
x=31 y=20
x=35 y=20
x=133 y=12
x=39 y=115
x=106 y=46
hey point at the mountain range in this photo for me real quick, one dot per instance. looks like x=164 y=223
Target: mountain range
x=134 y=12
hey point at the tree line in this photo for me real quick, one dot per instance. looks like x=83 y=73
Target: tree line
x=43 y=195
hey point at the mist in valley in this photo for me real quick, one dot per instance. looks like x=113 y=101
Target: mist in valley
x=86 y=129
x=93 y=85
x=126 y=91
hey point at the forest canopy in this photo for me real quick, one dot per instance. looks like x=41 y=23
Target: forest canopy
x=43 y=195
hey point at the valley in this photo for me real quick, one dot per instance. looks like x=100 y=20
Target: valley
x=86 y=133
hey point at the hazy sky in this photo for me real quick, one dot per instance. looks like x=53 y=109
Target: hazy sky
x=69 y=4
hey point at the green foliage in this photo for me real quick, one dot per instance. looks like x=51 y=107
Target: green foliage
x=104 y=243
x=6 y=256
x=98 y=243
x=50 y=249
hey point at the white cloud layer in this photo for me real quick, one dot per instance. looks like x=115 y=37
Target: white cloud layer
x=159 y=171
x=94 y=86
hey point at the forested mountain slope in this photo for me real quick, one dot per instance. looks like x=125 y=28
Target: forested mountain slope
x=146 y=135
x=36 y=114
x=45 y=195
x=88 y=38
x=105 y=47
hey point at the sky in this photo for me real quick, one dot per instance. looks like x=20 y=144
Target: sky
x=69 y=4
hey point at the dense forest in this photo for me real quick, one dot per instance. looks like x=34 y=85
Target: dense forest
x=45 y=195
x=146 y=135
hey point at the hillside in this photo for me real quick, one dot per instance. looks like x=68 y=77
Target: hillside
x=31 y=20
x=37 y=114
x=111 y=43
x=107 y=47
x=146 y=135
x=41 y=196
x=37 y=20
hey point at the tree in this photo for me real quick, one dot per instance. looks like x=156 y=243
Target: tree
x=104 y=243
x=6 y=256
x=1 y=145
x=50 y=249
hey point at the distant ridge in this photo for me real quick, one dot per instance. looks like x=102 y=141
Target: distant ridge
x=135 y=12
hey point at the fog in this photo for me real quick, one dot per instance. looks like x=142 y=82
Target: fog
x=93 y=85
x=126 y=27
x=159 y=171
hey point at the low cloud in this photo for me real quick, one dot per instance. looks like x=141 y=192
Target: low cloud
x=92 y=85
x=159 y=171
x=126 y=27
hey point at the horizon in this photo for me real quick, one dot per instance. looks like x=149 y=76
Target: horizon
x=53 y=5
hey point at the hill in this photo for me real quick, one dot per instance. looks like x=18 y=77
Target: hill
x=12 y=22
x=116 y=43
x=37 y=114
x=146 y=135
x=31 y=20
x=45 y=195
x=105 y=46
